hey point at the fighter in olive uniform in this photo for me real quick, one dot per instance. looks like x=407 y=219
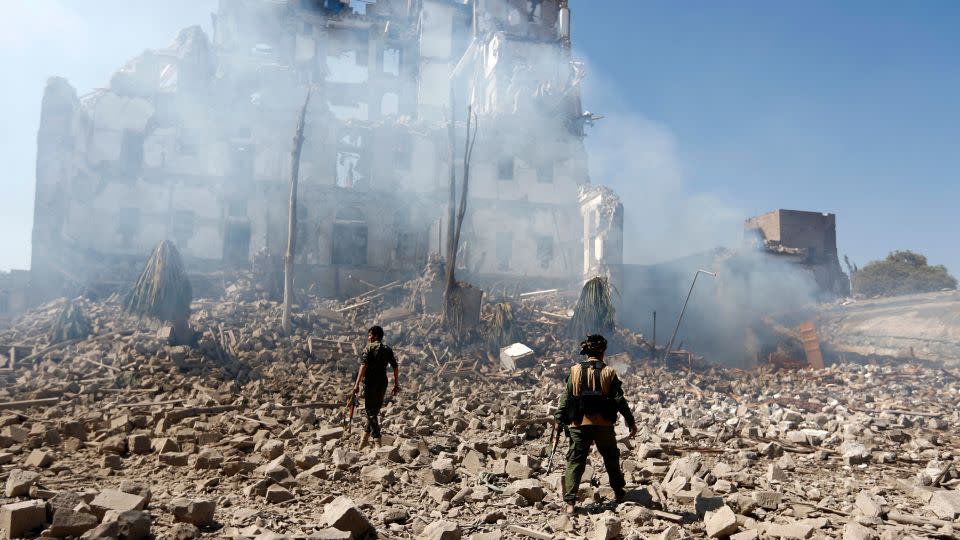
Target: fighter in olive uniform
x=589 y=407
x=373 y=372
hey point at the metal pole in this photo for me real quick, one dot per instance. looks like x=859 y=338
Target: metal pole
x=682 y=310
x=654 y=333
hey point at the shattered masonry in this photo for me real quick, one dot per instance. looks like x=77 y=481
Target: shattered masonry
x=244 y=436
x=602 y=215
x=808 y=239
x=192 y=143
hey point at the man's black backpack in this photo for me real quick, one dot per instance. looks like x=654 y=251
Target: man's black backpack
x=592 y=402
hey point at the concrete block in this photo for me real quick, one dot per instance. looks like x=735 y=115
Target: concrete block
x=517 y=471
x=16 y=519
x=330 y=433
x=442 y=470
x=112 y=499
x=331 y=534
x=377 y=474
x=720 y=523
x=775 y=474
x=71 y=523
x=196 y=511
x=790 y=531
x=278 y=494
x=516 y=356
x=138 y=443
x=208 y=458
x=530 y=489
x=441 y=530
x=137 y=488
x=16 y=433
x=38 y=459
x=19 y=482
x=768 y=500
x=868 y=505
x=134 y=524
x=175 y=459
x=606 y=528
x=111 y=461
x=343 y=514
x=65 y=500
x=945 y=504
x=856 y=531
x=702 y=504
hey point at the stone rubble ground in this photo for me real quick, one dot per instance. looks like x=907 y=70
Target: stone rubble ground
x=243 y=436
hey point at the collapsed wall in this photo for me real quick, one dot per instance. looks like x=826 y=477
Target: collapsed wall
x=191 y=143
x=805 y=239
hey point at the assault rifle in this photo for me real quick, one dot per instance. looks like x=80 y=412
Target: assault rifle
x=352 y=402
x=556 y=443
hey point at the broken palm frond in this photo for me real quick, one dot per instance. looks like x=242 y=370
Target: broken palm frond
x=504 y=329
x=163 y=290
x=594 y=313
x=70 y=324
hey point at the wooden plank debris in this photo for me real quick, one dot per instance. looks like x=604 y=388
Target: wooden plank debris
x=27 y=403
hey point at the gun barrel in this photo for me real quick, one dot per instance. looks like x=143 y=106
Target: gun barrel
x=556 y=442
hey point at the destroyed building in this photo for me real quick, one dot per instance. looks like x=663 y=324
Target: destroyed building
x=807 y=239
x=785 y=266
x=192 y=143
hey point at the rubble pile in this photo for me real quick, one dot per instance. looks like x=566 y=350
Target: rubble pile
x=120 y=435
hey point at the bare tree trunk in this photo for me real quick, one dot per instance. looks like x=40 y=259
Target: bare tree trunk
x=292 y=217
x=456 y=222
x=451 y=250
x=467 y=156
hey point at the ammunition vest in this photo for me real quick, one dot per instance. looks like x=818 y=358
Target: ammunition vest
x=591 y=401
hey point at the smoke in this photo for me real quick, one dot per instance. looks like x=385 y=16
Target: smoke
x=671 y=231
x=184 y=114
x=640 y=159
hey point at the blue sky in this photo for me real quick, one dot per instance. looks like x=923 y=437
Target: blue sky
x=714 y=111
x=848 y=107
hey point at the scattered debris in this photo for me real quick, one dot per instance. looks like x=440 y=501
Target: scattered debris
x=244 y=434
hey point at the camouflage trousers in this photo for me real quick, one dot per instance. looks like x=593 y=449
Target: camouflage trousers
x=581 y=439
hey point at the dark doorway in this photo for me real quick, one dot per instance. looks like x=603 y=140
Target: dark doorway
x=350 y=243
x=236 y=243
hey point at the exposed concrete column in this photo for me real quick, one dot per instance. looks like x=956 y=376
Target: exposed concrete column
x=56 y=166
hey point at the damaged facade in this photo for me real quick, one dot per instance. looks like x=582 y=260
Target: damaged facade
x=192 y=143
x=808 y=239
x=602 y=214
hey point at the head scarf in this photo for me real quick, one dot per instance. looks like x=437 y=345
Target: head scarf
x=594 y=344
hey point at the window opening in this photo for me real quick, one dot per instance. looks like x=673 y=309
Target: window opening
x=350 y=243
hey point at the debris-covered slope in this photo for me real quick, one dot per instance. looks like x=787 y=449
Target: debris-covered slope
x=244 y=436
